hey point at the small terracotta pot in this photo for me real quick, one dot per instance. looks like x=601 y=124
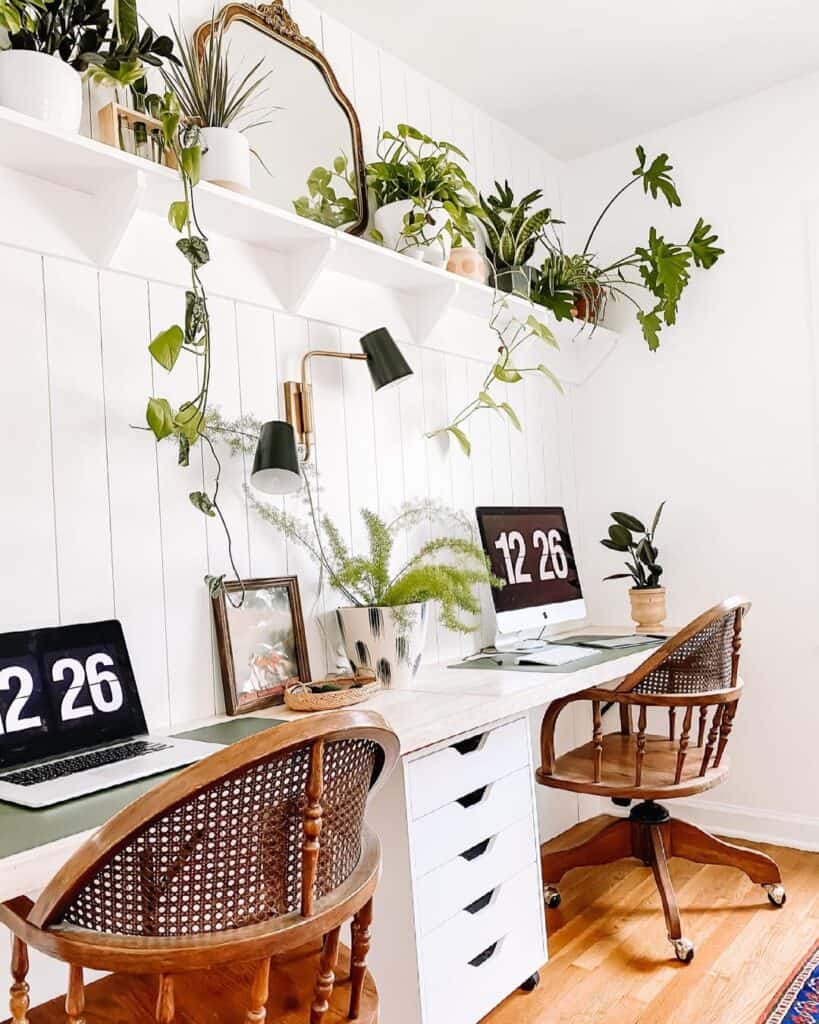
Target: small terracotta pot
x=647 y=607
x=466 y=261
x=589 y=305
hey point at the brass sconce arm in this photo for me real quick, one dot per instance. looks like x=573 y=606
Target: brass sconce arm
x=298 y=399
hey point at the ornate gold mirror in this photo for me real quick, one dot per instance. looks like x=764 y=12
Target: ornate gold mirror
x=308 y=150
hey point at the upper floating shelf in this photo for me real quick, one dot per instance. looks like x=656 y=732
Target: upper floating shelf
x=300 y=249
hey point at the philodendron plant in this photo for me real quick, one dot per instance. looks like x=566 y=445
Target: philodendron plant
x=412 y=165
x=581 y=284
x=628 y=535
x=332 y=197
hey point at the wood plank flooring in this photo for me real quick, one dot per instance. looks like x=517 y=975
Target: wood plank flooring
x=612 y=964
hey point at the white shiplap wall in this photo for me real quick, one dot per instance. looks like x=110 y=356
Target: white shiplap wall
x=95 y=517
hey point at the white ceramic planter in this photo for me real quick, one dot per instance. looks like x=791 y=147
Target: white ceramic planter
x=391 y=647
x=41 y=86
x=389 y=220
x=225 y=158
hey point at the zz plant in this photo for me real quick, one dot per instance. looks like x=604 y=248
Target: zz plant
x=186 y=423
x=412 y=165
x=628 y=535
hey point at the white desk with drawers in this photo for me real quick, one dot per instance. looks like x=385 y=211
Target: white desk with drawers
x=459 y=922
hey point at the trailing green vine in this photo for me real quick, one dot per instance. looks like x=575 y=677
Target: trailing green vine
x=512 y=333
x=187 y=423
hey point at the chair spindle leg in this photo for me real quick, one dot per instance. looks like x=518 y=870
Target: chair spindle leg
x=683 y=748
x=598 y=740
x=19 y=1002
x=672 y=724
x=165 y=1009
x=259 y=993
x=326 y=978
x=640 y=752
x=702 y=724
x=712 y=739
x=725 y=726
x=75 y=997
x=358 y=956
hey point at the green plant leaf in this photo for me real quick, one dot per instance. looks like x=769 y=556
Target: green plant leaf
x=159 y=417
x=508 y=374
x=166 y=346
x=540 y=330
x=215 y=584
x=486 y=399
x=462 y=439
x=657 y=178
x=184 y=451
x=510 y=412
x=192 y=162
x=195 y=315
x=178 y=214
x=630 y=522
x=618 y=576
x=170 y=124
x=548 y=373
x=620 y=535
x=376 y=236
x=201 y=501
x=189 y=421
x=613 y=546
x=195 y=251
x=656 y=519
x=651 y=325
x=701 y=244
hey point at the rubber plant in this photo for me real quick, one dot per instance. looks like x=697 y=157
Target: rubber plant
x=186 y=424
x=581 y=284
x=643 y=567
x=512 y=333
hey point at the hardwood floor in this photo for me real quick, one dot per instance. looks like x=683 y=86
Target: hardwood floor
x=612 y=964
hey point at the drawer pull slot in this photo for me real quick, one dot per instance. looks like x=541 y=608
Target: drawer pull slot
x=470 y=745
x=478 y=850
x=487 y=954
x=481 y=903
x=473 y=798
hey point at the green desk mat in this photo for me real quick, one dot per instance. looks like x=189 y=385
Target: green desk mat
x=506 y=662
x=22 y=828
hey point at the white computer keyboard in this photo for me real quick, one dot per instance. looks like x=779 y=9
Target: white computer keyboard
x=554 y=654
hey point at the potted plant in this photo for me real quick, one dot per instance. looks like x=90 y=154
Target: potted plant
x=210 y=97
x=326 y=201
x=50 y=42
x=384 y=621
x=647 y=596
x=422 y=195
x=511 y=235
x=581 y=285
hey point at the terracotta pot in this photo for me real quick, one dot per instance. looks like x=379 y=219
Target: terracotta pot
x=647 y=607
x=589 y=305
x=466 y=261
x=387 y=644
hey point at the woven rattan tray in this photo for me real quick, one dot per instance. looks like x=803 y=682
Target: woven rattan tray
x=355 y=689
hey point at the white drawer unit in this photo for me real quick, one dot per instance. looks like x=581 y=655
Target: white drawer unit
x=461 y=879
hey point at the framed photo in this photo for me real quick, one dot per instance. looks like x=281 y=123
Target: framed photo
x=262 y=644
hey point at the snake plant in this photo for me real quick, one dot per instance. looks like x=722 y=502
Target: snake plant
x=512 y=231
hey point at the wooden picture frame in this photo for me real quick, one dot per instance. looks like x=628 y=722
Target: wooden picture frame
x=256 y=658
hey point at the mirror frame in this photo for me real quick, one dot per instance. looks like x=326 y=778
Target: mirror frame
x=273 y=20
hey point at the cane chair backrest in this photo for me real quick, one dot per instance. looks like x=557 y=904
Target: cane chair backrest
x=266 y=827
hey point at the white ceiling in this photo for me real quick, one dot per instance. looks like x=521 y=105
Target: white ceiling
x=578 y=75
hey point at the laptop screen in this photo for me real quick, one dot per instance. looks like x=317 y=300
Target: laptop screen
x=65 y=688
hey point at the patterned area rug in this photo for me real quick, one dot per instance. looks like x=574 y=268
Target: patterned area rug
x=797 y=1002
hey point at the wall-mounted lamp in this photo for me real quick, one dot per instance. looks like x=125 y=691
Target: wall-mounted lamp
x=276 y=465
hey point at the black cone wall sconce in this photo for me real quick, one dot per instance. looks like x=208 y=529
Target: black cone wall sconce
x=276 y=465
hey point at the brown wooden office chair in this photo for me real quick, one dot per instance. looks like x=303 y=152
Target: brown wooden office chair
x=695 y=673
x=255 y=852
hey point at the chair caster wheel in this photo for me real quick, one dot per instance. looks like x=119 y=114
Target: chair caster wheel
x=531 y=982
x=683 y=950
x=776 y=894
x=551 y=897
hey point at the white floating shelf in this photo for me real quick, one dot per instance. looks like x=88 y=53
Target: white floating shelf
x=298 y=250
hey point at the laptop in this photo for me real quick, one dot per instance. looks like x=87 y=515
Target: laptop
x=71 y=721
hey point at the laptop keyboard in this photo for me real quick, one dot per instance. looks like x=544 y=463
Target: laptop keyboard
x=82 y=763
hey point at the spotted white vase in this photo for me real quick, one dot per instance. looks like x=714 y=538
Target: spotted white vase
x=389 y=644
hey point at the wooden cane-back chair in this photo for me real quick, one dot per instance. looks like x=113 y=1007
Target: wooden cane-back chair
x=693 y=677
x=257 y=851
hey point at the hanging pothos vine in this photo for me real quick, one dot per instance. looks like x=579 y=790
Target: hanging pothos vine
x=187 y=423
x=512 y=333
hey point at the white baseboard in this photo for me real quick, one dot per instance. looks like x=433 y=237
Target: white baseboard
x=798 y=831
x=762 y=825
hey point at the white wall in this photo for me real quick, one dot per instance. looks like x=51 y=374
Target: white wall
x=722 y=423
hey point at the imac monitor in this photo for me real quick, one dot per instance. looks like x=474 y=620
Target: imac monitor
x=531 y=551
